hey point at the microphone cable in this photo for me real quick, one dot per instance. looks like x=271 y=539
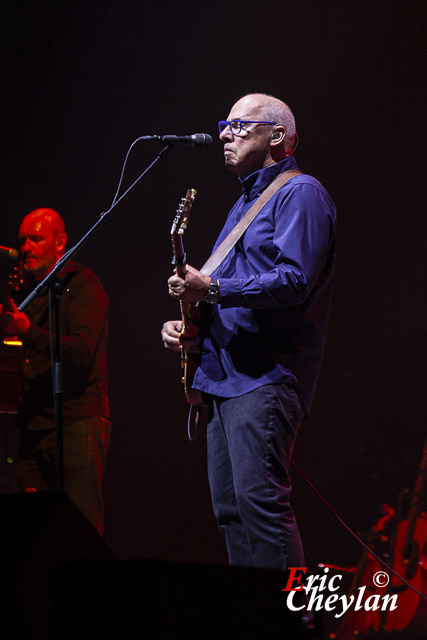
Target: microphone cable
x=116 y=200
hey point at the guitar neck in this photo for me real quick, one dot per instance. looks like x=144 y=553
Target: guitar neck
x=179 y=255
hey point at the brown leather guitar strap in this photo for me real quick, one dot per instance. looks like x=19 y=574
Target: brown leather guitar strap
x=235 y=234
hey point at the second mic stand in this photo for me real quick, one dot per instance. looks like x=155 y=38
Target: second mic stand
x=56 y=289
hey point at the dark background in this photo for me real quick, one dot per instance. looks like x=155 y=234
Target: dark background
x=81 y=81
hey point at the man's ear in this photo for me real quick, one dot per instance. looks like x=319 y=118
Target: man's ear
x=278 y=134
x=61 y=241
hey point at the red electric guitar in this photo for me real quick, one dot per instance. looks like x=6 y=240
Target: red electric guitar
x=410 y=562
x=409 y=553
x=10 y=354
x=360 y=623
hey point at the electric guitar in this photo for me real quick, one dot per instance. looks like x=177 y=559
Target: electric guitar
x=360 y=622
x=410 y=561
x=191 y=314
x=10 y=355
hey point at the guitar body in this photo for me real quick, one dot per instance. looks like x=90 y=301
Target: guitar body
x=409 y=553
x=10 y=375
x=190 y=358
x=362 y=623
x=411 y=612
x=410 y=562
x=11 y=354
x=194 y=317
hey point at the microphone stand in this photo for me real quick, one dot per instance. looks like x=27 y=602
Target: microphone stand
x=55 y=290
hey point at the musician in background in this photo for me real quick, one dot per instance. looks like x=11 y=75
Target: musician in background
x=84 y=327
x=261 y=354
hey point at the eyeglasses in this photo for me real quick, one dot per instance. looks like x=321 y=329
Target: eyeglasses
x=236 y=125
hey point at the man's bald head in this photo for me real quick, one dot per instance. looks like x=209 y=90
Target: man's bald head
x=42 y=240
x=48 y=217
x=275 y=110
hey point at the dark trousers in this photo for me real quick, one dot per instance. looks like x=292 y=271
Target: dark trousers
x=250 y=440
x=85 y=450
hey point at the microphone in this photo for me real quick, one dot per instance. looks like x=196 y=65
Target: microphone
x=195 y=140
x=10 y=253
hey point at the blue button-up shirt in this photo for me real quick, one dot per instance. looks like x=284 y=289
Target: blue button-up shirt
x=275 y=291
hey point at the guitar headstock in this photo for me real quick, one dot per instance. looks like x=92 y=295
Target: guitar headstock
x=182 y=215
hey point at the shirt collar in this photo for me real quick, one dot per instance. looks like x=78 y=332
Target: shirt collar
x=256 y=182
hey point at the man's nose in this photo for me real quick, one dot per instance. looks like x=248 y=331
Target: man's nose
x=25 y=246
x=226 y=134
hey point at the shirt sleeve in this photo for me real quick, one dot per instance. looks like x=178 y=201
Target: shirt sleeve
x=293 y=258
x=82 y=317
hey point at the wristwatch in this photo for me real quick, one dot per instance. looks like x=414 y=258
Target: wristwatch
x=212 y=294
